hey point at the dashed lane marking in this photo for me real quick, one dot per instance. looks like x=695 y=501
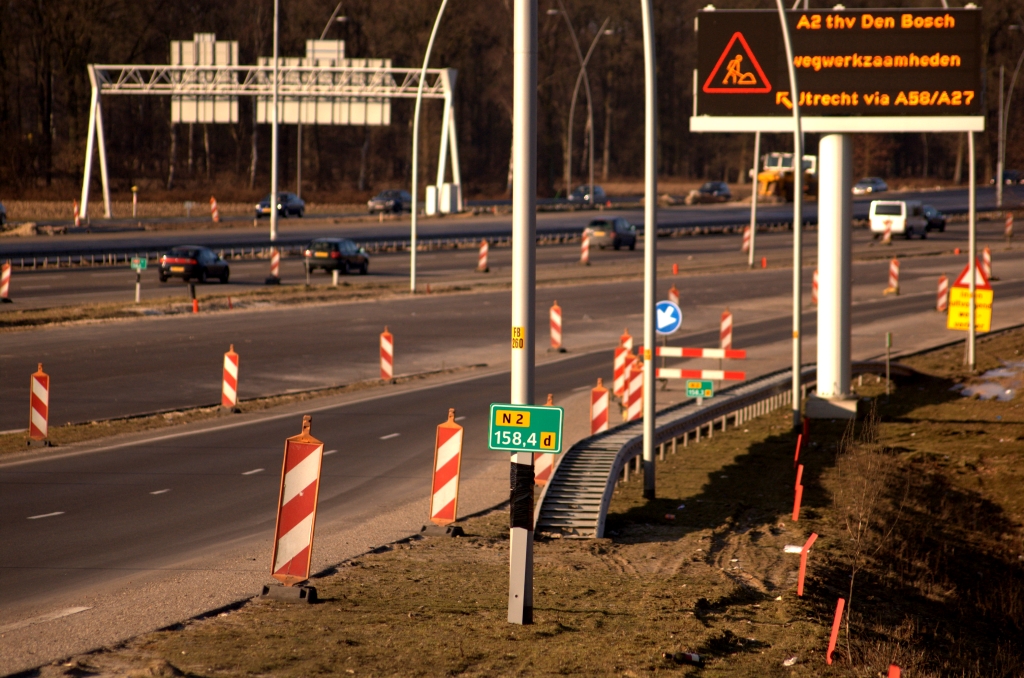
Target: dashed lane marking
x=253 y=472
x=49 y=616
x=329 y=452
x=46 y=515
x=390 y=436
x=161 y=491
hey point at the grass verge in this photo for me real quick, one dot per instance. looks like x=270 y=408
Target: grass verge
x=918 y=508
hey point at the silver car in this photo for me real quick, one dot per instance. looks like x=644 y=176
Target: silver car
x=612 y=232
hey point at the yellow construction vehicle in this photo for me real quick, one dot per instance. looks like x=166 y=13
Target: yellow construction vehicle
x=775 y=180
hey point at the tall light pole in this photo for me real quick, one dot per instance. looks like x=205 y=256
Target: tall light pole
x=590 y=105
x=524 y=246
x=416 y=149
x=1004 y=118
x=650 y=236
x=273 y=134
x=798 y=202
x=590 y=116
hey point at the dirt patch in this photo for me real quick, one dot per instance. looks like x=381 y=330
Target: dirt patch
x=919 y=512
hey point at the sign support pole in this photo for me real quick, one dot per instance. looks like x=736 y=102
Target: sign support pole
x=972 y=249
x=273 y=135
x=524 y=245
x=753 y=201
x=798 y=203
x=650 y=238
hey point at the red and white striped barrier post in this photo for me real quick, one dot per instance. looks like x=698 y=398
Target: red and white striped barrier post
x=556 y=327
x=598 y=408
x=814 y=288
x=275 y=267
x=544 y=464
x=887 y=233
x=39 y=408
x=387 y=355
x=725 y=330
x=803 y=564
x=620 y=367
x=715 y=375
x=673 y=295
x=798 y=493
x=746 y=239
x=444 y=495
x=986 y=263
x=5 y=282
x=585 y=249
x=296 y=507
x=635 y=391
x=942 y=299
x=78 y=215
x=894 y=278
x=481 y=261
x=626 y=340
x=229 y=386
x=1008 y=230
x=835 y=630
x=214 y=210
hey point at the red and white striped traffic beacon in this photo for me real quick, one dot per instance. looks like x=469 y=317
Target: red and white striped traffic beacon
x=39 y=408
x=673 y=295
x=635 y=391
x=481 y=262
x=296 y=507
x=894 y=278
x=444 y=494
x=725 y=330
x=214 y=210
x=544 y=464
x=619 y=370
x=598 y=408
x=556 y=327
x=229 y=385
x=942 y=295
x=387 y=355
x=5 y=282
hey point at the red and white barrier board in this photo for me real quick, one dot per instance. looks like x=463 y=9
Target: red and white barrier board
x=481 y=261
x=556 y=326
x=683 y=352
x=619 y=370
x=214 y=210
x=814 y=288
x=585 y=249
x=5 y=282
x=39 y=405
x=746 y=239
x=894 y=278
x=942 y=297
x=229 y=387
x=296 y=507
x=725 y=330
x=673 y=295
x=444 y=495
x=387 y=354
x=275 y=263
x=721 y=375
x=635 y=392
x=598 y=409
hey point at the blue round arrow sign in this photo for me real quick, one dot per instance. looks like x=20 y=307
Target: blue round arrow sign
x=668 y=318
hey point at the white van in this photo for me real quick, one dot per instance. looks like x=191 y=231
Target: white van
x=901 y=217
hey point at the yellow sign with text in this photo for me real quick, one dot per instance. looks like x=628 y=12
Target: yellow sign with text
x=959 y=317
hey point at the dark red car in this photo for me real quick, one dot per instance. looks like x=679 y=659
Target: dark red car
x=191 y=262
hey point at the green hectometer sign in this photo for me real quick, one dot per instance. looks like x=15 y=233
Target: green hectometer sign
x=525 y=428
x=139 y=263
x=700 y=388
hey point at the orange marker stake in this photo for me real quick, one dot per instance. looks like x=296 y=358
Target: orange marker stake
x=894 y=671
x=803 y=564
x=835 y=630
x=799 y=444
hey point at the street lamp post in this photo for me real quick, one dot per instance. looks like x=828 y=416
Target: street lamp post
x=1004 y=117
x=273 y=133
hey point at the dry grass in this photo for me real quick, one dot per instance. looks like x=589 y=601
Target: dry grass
x=934 y=533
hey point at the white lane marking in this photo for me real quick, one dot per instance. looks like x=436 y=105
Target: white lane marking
x=329 y=452
x=161 y=491
x=46 y=515
x=36 y=287
x=390 y=436
x=253 y=472
x=582 y=388
x=49 y=616
x=460 y=418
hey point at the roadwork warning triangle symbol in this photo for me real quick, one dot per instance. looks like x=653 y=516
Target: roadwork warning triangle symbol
x=743 y=75
x=980 y=280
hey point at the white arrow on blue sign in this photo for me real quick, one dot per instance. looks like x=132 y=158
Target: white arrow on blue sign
x=668 y=317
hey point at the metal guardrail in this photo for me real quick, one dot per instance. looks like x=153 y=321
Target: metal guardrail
x=575 y=501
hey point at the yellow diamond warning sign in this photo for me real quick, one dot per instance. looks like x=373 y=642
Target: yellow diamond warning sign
x=742 y=74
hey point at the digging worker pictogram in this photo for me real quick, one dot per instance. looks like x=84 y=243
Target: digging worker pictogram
x=735 y=76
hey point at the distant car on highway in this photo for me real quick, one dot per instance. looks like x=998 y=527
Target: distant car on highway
x=582 y=194
x=191 y=262
x=288 y=204
x=870 y=185
x=1010 y=178
x=711 y=191
x=340 y=254
x=936 y=219
x=391 y=200
x=901 y=217
x=612 y=233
